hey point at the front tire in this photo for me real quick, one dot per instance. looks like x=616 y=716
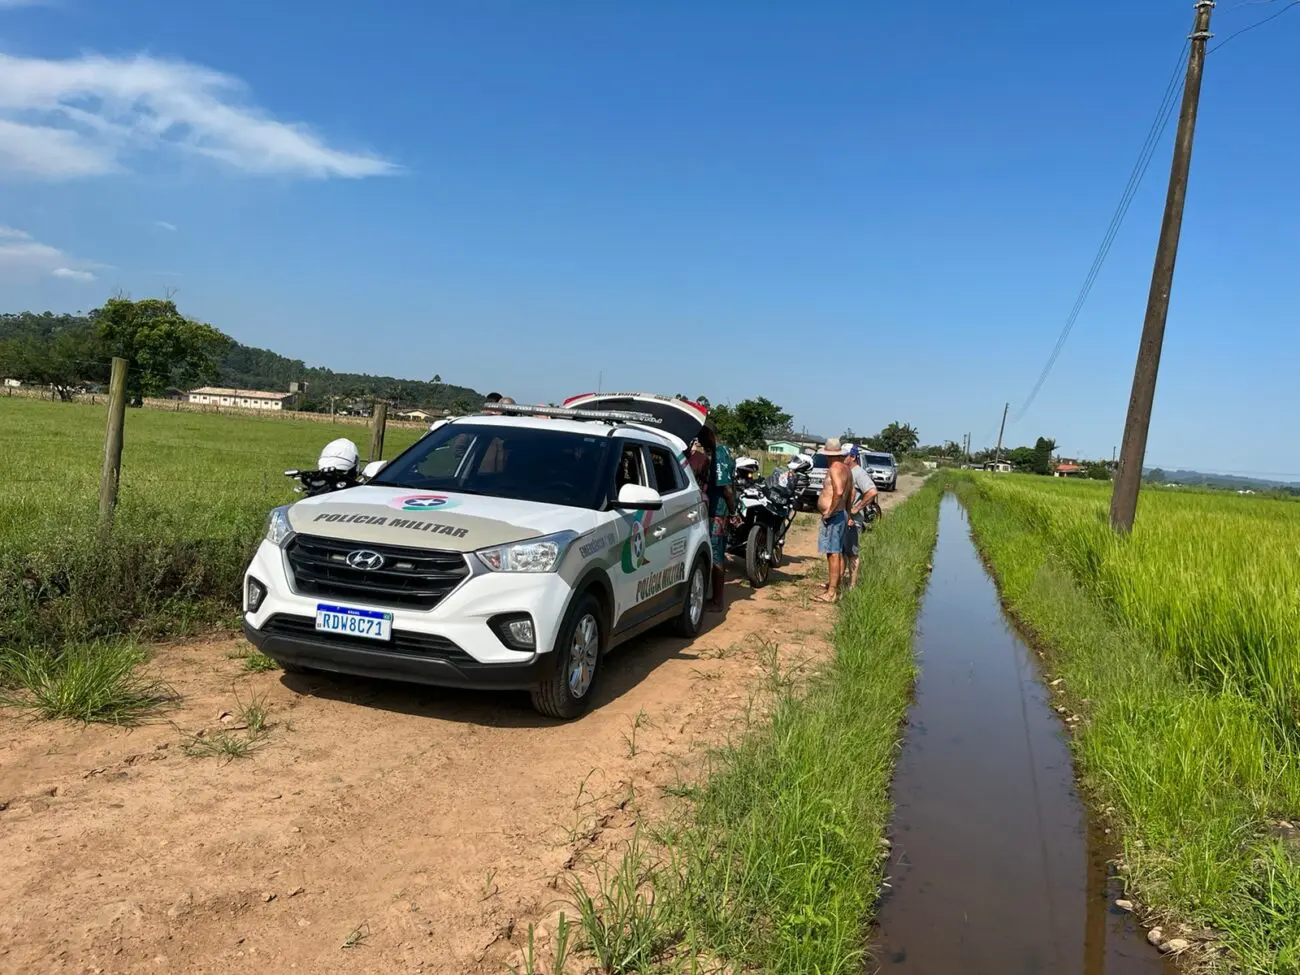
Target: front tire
x=687 y=625
x=568 y=693
x=758 y=560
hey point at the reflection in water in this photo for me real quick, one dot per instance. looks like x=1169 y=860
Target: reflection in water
x=994 y=869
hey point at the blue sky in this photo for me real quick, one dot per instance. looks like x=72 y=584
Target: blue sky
x=868 y=212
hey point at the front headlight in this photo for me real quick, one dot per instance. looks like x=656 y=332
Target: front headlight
x=533 y=555
x=278 y=529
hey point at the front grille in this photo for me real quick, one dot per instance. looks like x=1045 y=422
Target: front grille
x=425 y=645
x=413 y=577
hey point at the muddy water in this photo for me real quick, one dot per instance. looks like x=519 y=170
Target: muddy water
x=995 y=869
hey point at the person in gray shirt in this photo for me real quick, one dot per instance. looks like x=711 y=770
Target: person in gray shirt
x=864 y=492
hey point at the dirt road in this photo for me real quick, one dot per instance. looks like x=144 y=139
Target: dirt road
x=375 y=827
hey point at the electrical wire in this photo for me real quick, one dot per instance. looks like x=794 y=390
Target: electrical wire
x=1260 y=23
x=1154 y=135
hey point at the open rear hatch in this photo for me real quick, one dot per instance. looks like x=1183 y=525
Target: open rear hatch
x=677 y=417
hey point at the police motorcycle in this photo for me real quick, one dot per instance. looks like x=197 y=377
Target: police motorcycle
x=764 y=514
x=337 y=468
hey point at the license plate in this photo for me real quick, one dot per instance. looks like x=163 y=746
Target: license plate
x=364 y=623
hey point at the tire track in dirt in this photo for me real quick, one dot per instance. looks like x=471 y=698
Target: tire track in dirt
x=424 y=828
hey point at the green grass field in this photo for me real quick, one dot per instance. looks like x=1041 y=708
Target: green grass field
x=1210 y=579
x=195 y=491
x=1179 y=647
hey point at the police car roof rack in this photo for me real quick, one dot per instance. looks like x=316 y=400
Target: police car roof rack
x=564 y=413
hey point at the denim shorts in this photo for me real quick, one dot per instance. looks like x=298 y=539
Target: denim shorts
x=830 y=537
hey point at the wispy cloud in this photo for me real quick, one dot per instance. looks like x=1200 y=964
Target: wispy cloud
x=87 y=116
x=164 y=225
x=24 y=257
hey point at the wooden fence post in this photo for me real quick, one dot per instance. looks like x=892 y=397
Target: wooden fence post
x=112 y=471
x=378 y=421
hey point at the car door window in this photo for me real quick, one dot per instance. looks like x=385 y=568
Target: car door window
x=665 y=472
x=631 y=468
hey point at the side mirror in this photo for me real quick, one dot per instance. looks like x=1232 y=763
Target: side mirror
x=638 y=497
x=373 y=468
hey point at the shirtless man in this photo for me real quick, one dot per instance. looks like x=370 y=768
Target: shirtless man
x=833 y=503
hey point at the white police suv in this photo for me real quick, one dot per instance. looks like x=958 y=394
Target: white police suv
x=500 y=551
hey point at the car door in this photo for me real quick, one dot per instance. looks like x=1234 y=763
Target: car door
x=634 y=539
x=669 y=550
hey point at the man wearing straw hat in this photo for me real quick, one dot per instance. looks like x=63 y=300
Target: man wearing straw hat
x=833 y=505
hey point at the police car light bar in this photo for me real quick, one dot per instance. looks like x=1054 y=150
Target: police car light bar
x=567 y=413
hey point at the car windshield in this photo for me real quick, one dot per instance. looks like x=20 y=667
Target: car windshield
x=821 y=462
x=521 y=463
x=878 y=460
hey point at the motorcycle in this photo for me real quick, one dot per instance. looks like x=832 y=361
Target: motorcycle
x=765 y=510
x=337 y=468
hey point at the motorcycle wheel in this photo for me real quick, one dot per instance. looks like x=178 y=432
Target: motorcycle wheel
x=758 y=560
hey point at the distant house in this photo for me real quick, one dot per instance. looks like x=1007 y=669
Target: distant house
x=787 y=448
x=13 y=383
x=243 y=399
x=999 y=467
x=171 y=392
x=422 y=416
x=1068 y=470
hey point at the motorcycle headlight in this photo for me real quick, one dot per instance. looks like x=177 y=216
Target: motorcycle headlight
x=278 y=529
x=533 y=555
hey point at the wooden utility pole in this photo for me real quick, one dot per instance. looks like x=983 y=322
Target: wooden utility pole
x=378 y=421
x=997 y=455
x=1133 y=448
x=111 y=473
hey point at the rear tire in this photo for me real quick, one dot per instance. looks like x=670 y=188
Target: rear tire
x=568 y=693
x=758 y=562
x=688 y=622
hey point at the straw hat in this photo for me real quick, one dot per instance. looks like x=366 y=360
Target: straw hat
x=834 y=448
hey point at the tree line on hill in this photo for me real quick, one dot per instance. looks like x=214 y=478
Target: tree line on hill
x=164 y=349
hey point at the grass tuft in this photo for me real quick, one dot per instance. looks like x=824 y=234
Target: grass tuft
x=95 y=682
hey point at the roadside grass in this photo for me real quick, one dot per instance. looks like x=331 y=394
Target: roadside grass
x=91 y=683
x=1196 y=773
x=774 y=860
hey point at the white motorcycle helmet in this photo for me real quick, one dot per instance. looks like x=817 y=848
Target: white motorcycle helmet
x=746 y=465
x=800 y=464
x=339 y=457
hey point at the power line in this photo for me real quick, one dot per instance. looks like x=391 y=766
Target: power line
x=1154 y=134
x=1261 y=23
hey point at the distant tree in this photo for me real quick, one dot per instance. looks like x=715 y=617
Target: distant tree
x=160 y=345
x=1097 y=470
x=1021 y=458
x=436 y=380
x=703 y=401
x=897 y=439
x=1155 y=475
x=64 y=361
x=848 y=436
x=1042 y=463
x=756 y=417
x=726 y=425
